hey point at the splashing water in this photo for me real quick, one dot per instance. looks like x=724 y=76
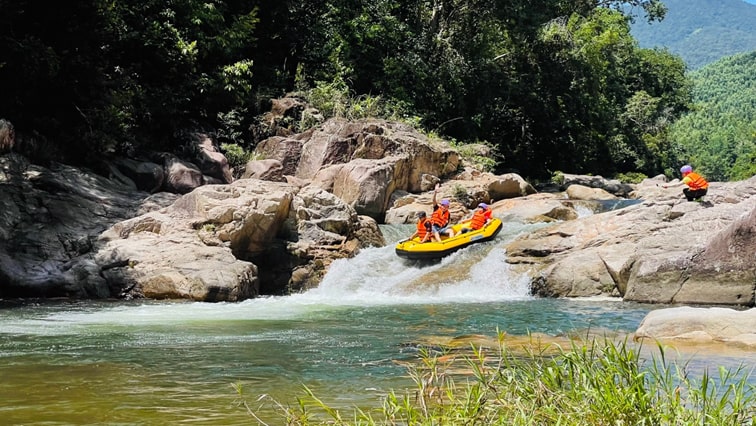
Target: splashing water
x=167 y=362
x=379 y=277
x=376 y=277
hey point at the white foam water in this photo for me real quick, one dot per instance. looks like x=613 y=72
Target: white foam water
x=375 y=277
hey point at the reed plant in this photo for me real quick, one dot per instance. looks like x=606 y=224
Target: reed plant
x=596 y=382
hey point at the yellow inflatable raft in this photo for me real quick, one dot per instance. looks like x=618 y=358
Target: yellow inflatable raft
x=414 y=249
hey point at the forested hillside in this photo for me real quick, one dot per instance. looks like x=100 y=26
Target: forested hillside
x=719 y=135
x=552 y=85
x=701 y=31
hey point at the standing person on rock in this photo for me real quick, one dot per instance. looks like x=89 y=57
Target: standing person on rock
x=440 y=219
x=697 y=185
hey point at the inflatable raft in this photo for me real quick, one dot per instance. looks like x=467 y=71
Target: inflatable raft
x=414 y=249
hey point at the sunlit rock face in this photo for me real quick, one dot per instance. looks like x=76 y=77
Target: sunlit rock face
x=700 y=325
x=662 y=250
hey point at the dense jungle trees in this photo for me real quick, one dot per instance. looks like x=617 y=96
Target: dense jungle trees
x=99 y=76
x=719 y=134
x=553 y=84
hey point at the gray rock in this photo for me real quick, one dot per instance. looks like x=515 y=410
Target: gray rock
x=700 y=325
x=662 y=250
x=270 y=169
x=7 y=136
x=49 y=223
x=612 y=186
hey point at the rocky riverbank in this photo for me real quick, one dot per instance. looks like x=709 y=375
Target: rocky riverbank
x=320 y=195
x=164 y=227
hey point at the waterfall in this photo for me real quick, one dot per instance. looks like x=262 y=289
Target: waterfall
x=377 y=276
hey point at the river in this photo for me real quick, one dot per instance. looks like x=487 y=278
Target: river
x=169 y=362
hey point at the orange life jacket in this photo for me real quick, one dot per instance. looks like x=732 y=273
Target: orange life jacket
x=423 y=227
x=440 y=217
x=696 y=181
x=479 y=219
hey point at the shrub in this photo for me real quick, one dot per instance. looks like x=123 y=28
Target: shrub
x=334 y=99
x=598 y=383
x=557 y=177
x=237 y=157
x=631 y=177
x=482 y=155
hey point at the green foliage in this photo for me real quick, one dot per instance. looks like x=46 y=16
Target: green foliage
x=481 y=155
x=237 y=78
x=718 y=137
x=597 y=383
x=230 y=126
x=631 y=177
x=486 y=71
x=550 y=84
x=334 y=99
x=460 y=193
x=557 y=177
x=99 y=77
x=237 y=156
x=486 y=164
x=330 y=98
x=745 y=163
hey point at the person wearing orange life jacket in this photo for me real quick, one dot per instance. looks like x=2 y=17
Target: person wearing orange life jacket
x=440 y=219
x=423 y=228
x=697 y=185
x=481 y=216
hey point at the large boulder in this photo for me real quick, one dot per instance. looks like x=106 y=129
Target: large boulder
x=269 y=169
x=612 y=186
x=210 y=160
x=509 y=185
x=543 y=207
x=287 y=151
x=181 y=177
x=363 y=162
x=50 y=219
x=366 y=185
x=232 y=242
x=146 y=175
x=663 y=250
x=700 y=325
x=369 y=143
x=71 y=233
x=327 y=229
x=719 y=270
x=197 y=245
x=730 y=257
x=580 y=192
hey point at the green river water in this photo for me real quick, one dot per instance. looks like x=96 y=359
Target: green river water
x=158 y=362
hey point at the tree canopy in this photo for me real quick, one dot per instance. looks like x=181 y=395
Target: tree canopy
x=719 y=135
x=554 y=85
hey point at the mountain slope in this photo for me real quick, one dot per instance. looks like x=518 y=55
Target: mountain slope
x=701 y=31
x=719 y=135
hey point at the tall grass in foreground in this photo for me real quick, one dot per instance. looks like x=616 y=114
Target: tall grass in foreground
x=593 y=383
